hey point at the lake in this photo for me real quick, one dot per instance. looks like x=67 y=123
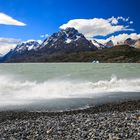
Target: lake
x=66 y=86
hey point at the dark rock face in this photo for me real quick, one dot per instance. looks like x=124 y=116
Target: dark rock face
x=109 y=44
x=130 y=41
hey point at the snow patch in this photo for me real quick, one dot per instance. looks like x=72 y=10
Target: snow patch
x=78 y=37
x=68 y=41
x=30 y=47
x=96 y=44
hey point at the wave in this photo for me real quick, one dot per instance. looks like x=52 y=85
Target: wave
x=14 y=91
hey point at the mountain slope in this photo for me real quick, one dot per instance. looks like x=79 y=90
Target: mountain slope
x=117 y=54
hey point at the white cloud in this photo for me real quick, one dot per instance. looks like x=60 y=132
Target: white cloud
x=123 y=19
x=131 y=22
x=113 y=20
x=120 y=38
x=98 y=26
x=6 y=44
x=45 y=36
x=123 y=37
x=7 y=20
x=39 y=41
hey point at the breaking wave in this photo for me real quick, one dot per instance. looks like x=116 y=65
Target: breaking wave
x=13 y=91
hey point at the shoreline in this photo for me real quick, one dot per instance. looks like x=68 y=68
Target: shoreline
x=121 y=106
x=109 y=121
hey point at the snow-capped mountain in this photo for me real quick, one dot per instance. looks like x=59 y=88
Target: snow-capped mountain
x=27 y=46
x=67 y=40
x=21 y=49
x=99 y=45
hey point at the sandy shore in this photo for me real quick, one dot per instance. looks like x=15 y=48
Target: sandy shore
x=106 y=122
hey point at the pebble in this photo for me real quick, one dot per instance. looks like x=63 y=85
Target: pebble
x=108 y=125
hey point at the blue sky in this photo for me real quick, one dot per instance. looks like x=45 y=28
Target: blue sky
x=46 y=16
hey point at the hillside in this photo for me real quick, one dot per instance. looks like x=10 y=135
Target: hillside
x=117 y=54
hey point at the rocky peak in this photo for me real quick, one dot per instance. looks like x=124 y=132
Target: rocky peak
x=97 y=44
x=72 y=33
x=27 y=46
x=109 y=44
x=67 y=39
x=129 y=41
x=67 y=35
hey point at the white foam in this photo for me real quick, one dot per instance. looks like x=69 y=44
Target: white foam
x=16 y=92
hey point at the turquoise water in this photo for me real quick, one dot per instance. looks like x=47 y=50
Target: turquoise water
x=65 y=86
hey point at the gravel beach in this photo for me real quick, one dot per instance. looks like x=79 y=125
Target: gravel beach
x=119 y=121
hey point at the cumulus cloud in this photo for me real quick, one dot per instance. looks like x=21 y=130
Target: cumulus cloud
x=7 y=20
x=6 y=44
x=98 y=26
x=120 y=38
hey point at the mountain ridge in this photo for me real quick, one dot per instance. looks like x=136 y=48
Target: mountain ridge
x=66 y=41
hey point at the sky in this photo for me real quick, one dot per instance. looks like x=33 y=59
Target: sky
x=22 y=20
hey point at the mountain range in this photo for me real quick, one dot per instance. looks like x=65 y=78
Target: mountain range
x=65 y=43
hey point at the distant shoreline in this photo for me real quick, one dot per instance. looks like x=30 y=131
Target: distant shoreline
x=117 y=54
